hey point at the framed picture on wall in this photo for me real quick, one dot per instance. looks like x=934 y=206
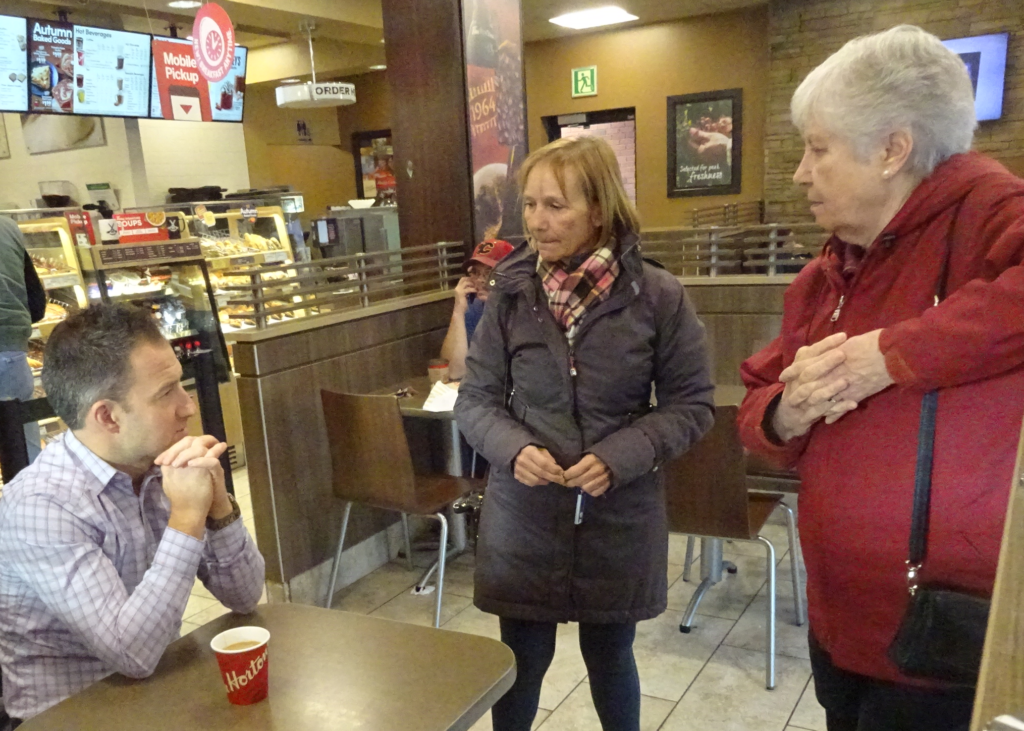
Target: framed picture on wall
x=705 y=143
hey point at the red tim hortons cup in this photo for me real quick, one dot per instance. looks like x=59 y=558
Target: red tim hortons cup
x=242 y=656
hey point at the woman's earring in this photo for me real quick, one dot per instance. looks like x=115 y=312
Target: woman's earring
x=886 y=174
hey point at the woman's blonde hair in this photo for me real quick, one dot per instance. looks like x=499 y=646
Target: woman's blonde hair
x=600 y=179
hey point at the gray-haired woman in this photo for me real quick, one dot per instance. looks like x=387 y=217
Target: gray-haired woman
x=887 y=123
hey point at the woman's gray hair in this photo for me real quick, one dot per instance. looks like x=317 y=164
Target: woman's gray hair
x=902 y=78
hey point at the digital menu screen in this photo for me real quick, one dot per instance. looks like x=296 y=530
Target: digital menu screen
x=180 y=92
x=13 y=65
x=77 y=69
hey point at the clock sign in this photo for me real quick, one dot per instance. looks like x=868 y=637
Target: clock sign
x=213 y=42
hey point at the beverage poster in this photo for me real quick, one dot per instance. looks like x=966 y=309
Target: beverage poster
x=13 y=67
x=180 y=92
x=91 y=71
x=497 y=113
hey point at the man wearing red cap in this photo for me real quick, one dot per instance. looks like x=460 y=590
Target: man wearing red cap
x=470 y=296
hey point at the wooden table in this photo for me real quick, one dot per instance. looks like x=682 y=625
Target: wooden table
x=329 y=670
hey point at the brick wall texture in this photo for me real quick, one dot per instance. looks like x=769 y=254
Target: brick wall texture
x=622 y=137
x=803 y=33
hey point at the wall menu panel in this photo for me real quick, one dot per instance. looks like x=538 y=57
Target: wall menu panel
x=83 y=70
x=13 y=65
x=180 y=92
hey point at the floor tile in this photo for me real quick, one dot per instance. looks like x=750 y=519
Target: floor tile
x=187 y=627
x=567 y=669
x=458 y=579
x=809 y=714
x=728 y=598
x=419 y=609
x=749 y=632
x=729 y=694
x=375 y=589
x=669 y=660
x=777 y=534
x=472 y=621
x=484 y=724
x=196 y=604
x=677 y=548
x=577 y=712
x=199 y=590
x=209 y=614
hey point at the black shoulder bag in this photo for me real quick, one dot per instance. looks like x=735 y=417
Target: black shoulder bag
x=943 y=631
x=34 y=291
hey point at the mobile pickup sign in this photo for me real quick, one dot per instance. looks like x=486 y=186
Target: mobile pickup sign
x=181 y=92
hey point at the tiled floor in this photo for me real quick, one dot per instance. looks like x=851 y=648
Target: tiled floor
x=709 y=680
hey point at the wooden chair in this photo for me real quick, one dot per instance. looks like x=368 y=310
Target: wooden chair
x=706 y=494
x=371 y=465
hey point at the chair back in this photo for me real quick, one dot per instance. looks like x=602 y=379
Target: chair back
x=706 y=488
x=370 y=456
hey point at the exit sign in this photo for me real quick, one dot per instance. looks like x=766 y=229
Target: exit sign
x=584 y=81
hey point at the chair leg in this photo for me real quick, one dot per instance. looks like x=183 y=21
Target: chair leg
x=690 y=540
x=441 y=556
x=794 y=566
x=408 y=541
x=770 y=624
x=687 y=624
x=337 y=555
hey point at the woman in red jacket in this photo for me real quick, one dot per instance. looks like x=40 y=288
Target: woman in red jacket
x=887 y=123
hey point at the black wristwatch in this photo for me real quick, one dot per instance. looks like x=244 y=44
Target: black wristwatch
x=227 y=520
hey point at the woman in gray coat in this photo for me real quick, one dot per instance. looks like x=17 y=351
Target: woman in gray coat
x=557 y=397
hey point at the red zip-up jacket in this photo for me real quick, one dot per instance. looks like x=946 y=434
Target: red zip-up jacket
x=857 y=475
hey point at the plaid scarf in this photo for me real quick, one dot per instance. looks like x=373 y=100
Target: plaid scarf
x=571 y=294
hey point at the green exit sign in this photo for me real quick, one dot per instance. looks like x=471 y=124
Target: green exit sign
x=584 y=81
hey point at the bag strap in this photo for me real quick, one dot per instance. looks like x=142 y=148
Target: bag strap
x=926 y=447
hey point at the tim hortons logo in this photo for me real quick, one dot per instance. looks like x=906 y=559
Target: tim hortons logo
x=235 y=681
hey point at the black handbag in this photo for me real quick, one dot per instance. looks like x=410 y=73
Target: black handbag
x=943 y=630
x=34 y=291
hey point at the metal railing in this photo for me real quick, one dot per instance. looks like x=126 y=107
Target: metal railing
x=747 y=213
x=765 y=250
x=340 y=283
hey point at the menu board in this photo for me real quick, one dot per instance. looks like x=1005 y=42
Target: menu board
x=77 y=69
x=13 y=65
x=180 y=92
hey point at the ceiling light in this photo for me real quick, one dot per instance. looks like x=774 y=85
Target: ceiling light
x=378 y=67
x=313 y=94
x=289 y=81
x=593 y=18
x=185 y=4
x=381 y=40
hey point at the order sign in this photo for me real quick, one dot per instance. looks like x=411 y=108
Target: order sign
x=213 y=42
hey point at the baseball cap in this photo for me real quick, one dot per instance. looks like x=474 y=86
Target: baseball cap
x=490 y=252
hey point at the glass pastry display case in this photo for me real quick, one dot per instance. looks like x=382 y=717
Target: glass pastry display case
x=171 y=280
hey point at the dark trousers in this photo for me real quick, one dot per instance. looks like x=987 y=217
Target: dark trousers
x=855 y=702
x=608 y=652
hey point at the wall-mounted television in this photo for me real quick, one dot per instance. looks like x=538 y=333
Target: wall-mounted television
x=985 y=57
x=13 y=64
x=76 y=69
x=180 y=92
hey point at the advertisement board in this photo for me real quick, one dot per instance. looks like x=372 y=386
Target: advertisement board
x=180 y=92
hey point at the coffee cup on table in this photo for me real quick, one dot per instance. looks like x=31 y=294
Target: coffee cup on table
x=242 y=656
x=437 y=370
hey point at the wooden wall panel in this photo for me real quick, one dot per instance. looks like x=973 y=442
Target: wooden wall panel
x=296 y=516
x=740 y=320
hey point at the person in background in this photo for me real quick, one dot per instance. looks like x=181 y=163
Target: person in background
x=104 y=535
x=887 y=123
x=470 y=296
x=19 y=286
x=557 y=397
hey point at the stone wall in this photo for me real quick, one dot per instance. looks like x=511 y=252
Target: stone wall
x=803 y=33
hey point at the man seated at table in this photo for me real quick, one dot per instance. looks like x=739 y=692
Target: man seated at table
x=103 y=536
x=470 y=296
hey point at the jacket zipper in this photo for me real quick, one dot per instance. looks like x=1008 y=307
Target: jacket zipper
x=839 y=307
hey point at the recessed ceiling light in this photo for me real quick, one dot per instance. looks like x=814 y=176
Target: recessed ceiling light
x=184 y=4
x=289 y=81
x=378 y=67
x=593 y=18
x=381 y=40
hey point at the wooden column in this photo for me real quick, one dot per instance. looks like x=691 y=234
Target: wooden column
x=426 y=73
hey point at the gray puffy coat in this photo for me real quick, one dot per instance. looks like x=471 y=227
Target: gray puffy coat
x=533 y=562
